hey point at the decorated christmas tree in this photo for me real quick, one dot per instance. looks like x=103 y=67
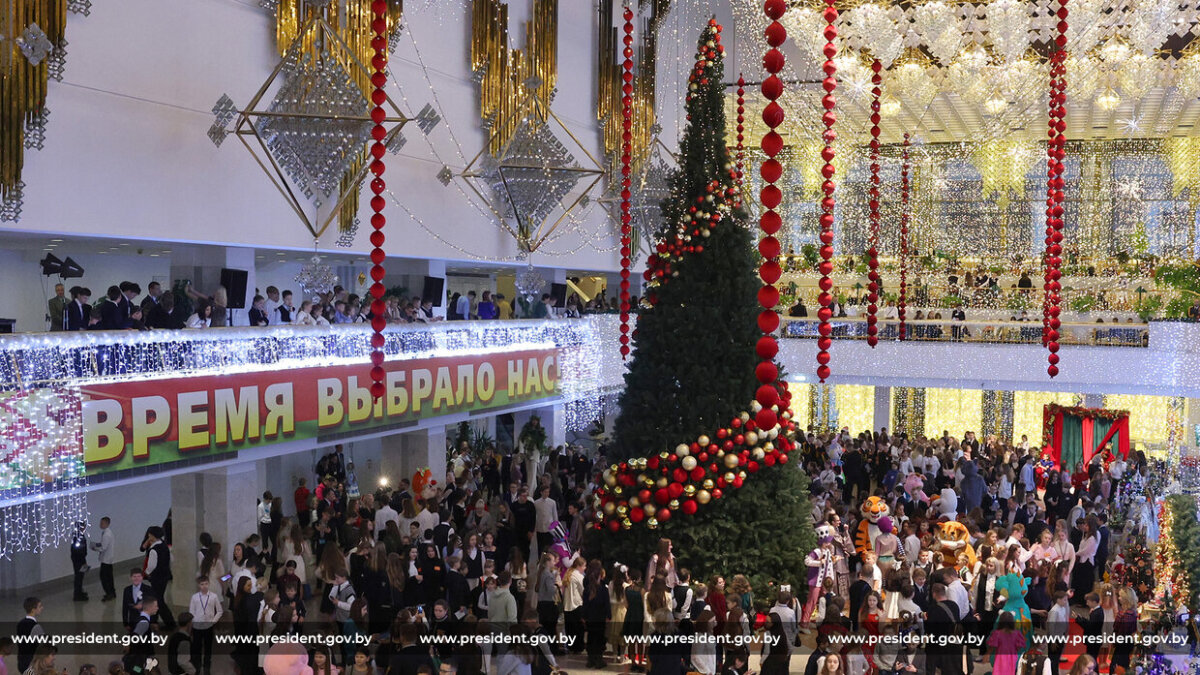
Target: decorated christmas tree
x=692 y=370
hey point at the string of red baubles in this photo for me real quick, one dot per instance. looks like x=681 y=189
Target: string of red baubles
x=770 y=221
x=740 y=158
x=873 y=204
x=626 y=181
x=825 y=267
x=902 y=303
x=1055 y=167
x=379 y=43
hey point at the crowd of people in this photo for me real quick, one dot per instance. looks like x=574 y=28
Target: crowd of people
x=184 y=307
x=917 y=536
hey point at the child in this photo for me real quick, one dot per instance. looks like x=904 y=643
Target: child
x=1007 y=644
x=1058 y=622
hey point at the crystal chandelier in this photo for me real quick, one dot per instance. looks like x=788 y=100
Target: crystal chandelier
x=529 y=283
x=316 y=278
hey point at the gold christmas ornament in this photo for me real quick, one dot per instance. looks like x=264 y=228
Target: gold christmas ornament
x=704 y=496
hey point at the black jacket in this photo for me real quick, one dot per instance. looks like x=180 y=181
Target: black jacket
x=78 y=316
x=129 y=613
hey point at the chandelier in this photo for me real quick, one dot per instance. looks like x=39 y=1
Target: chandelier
x=529 y=283
x=316 y=278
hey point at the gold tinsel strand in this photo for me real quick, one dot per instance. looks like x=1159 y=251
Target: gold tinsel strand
x=503 y=73
x=609 y=83
x=22 y=85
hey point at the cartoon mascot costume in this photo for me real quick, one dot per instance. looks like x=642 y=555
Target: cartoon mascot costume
x=955 y=540
x=872 y=509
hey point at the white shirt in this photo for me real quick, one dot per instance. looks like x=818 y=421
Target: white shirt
x=957 y=593
x=194 y=321
x=427 y=520
x=547 y=512
x=573 y=594
x=205 y=609
x=105 y=546
x=382 y=516
x=464 y=307
x=271 y=307
x=303 y=319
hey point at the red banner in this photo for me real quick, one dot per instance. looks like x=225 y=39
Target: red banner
x=133 y=424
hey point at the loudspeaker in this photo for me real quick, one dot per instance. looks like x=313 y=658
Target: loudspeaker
x=234 y=282
x=559 y=293
x=434 y=290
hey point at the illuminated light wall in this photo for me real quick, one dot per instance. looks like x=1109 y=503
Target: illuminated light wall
x=1147 y=415
x=802 y=409
x=855 y=406
x=953 y=410
x=1028 y=407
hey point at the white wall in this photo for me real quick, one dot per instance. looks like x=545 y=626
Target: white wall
x=127 y=154
x=26 y=290
x=131 y=508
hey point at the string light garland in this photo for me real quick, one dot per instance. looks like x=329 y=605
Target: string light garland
x=873 y=206
x=626 y=170
x=825 y=267
x=904 y=214
x=1055 y=167
x=379 y=25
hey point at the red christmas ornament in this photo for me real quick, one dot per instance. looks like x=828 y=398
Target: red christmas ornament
x=829 y=103
x=873 y=204
x=1055 y=167
x=740 y=156
x=378 y=149
x=626 y=156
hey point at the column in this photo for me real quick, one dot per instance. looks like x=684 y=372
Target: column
x=405 y=454
x=883 y=408
x=219 y=501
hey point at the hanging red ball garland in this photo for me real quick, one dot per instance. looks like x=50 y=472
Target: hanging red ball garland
x=873 y=206
x=902 y=304
x=829 y=103
x=378 y=150
x=626 y=181
x=1055 y=168
x=770 y=221
x=740 y=157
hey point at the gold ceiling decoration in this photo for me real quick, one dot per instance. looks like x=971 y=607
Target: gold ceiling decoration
x=32 y=47
x=507 y=77
x=609 y=82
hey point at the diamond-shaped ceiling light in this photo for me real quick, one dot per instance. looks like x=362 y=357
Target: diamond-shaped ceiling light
x=529 y=183
x=308 y=127
x=316 y=152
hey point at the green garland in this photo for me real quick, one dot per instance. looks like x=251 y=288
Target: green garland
x=1185 y=532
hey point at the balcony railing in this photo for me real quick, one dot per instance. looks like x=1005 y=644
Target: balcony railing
x=32 y=360
x=999 y=332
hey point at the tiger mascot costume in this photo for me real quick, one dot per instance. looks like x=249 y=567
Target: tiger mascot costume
x=872 y=509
